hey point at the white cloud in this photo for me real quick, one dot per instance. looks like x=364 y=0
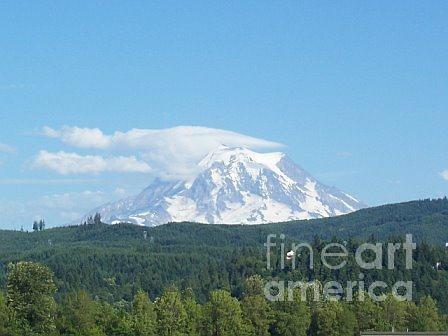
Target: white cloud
x=73 y=163
x=50 y=132
x=444 y=174
x=79 y=137
x=6 y=149
x=172 y=152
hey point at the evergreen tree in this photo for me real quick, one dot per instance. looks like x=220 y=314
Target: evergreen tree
x=143 y=315
x=114 y=320
x=257 y=314
x=256 y=310
x=335 y=319
x=194 y=313
x=171 y=314
x=78 y=315
x=223 y=315
x=291 y=318
x=97 y=218
x=368 y=315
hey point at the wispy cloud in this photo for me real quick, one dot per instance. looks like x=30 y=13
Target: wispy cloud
x=6 y=148
x=70 y=200
x=444 y=175
x=20 y=181
x=72 y=163
x=171 y=153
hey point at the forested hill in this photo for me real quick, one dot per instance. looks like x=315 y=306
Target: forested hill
x=115 y=261
x=427 y=220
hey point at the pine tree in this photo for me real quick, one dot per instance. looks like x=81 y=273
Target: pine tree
x=291 y=318
x=223 y=315
x=143 y=315
x=257 y=314
x=171 y=314
x=97 y=218
x=335 y=319
x=41 y=225
x=194 y=313
x=256 y=310
x=78 y=315
x=368 y=314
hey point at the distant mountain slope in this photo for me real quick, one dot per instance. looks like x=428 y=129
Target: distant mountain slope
x=234 y=186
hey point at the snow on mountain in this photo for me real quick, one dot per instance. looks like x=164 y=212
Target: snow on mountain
x=234 y=186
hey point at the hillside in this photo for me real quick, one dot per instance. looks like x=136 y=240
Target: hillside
x=114 y=261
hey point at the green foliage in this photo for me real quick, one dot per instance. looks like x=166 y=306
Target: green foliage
x=9 y=324
x=194 y=312
x=257 y=313
x=425 y=316
x=125 y=270
x=254 y=285
x=223 y=315
x=369 y=315
x=171 y=314
x=112 y=262
x=335 y=319
x=78 y=315
x=115 y=320
x=30 y=290
x=291 y=318
x=395 y=314
x=143 y=315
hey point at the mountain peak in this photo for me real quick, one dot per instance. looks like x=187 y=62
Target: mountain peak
x=228 y=155
x=234 y=185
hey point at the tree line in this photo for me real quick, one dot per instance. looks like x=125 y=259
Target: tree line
x=28 y=308
x=114 y=261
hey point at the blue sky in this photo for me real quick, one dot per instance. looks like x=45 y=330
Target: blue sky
x=356 y=91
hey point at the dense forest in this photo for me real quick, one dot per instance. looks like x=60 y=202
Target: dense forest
x=107 y=268
x=28 y=308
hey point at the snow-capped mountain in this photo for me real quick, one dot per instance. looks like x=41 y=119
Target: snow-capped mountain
x=234 y=186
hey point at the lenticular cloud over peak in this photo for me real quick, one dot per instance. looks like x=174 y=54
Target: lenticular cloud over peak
x=172 y=153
